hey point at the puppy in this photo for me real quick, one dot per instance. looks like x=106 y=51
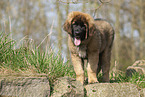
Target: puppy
x=92 y=40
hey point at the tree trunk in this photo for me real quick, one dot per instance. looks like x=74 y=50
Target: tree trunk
x=84 y=6
x=141 y=16
x=67 y=52
x=117 y=30
x=132 y=33
x=59 y=19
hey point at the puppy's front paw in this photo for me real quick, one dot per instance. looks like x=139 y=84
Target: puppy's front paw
x=92 y=80
x=82 y=51
x=82 y=54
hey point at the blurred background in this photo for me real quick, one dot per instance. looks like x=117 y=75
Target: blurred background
x=40 y=22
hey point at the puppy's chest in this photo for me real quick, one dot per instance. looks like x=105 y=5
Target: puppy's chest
x=82 y=51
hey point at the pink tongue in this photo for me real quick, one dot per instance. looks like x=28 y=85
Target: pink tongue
x=77 y=42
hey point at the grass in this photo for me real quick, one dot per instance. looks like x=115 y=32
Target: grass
x=121 y=77
x=31 y=61
x=35 y=61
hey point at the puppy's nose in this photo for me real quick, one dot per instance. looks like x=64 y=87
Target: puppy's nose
x=77 y=33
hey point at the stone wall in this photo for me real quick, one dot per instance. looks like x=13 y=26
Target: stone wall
x=12 y=86
x=24 y=87
x=64 y=87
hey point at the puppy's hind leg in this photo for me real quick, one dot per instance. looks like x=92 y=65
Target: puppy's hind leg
x=105 y=63
x=93 y=59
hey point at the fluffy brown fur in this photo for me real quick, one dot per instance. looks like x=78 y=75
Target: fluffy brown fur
x=96 y=47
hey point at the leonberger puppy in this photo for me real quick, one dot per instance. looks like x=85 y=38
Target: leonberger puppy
x=92 y=40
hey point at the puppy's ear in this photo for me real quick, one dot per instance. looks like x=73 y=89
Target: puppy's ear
x=87 y=31
x=90 y=30
x=67 y=27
